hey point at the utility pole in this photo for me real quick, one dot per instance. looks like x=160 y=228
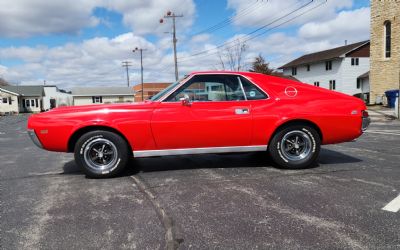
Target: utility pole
x=174 y=40
x=141 y=68
x=127 y=64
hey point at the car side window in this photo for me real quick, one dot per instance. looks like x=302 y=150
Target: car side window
x=210 y=88
x=252 y=91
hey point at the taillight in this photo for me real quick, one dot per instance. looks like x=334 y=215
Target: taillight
x=365 y=120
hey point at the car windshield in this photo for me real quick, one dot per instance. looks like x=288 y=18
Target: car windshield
x=166 y=90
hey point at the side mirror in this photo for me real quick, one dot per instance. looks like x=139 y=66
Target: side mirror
x=185 y=100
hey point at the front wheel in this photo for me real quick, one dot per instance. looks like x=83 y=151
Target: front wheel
x=101 y=154
x=295 y=147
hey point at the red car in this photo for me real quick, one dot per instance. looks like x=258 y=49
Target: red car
x=207 y=112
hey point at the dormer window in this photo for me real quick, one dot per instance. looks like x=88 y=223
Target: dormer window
x=354 y=61
x=328 y=65
x=294 y=71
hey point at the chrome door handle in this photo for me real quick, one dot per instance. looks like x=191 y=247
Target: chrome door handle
x=242 y=111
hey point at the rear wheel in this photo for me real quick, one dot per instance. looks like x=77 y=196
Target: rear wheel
x=101 y=154
x=295 y=146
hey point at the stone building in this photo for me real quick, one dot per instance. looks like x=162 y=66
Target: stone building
x=385 y=48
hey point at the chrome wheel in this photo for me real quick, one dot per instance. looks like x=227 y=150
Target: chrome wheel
x=296 y=145
x=100 y=154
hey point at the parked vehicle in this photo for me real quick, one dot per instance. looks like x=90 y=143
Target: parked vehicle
x=207 y=112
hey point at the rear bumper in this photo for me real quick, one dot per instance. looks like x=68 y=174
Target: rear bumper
x=34 y=138
x=365 y=123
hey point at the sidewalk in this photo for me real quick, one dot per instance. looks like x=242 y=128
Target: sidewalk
x=380 y=113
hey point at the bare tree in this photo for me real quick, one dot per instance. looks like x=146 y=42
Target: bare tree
x=3 y=82
x=231 y=57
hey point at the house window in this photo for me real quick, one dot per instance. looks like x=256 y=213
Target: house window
x=37 y=103
x=28 y=103
x=388 y=38
x=97 y=99
x=316 y=84
x=10 y=100
x=332 y=84
x=358 y=83
x=294 y=71
x=5 y=100
x=354 y=61
x=328 y=65
x=33 y=103
x=308 y=67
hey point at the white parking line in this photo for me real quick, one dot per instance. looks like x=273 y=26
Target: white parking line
x=381 y=132
x=2 y=133
x=393 y=206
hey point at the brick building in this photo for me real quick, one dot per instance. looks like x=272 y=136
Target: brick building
x=150 y=89
x=385 y=48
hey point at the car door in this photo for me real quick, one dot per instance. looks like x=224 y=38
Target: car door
x=217 y=114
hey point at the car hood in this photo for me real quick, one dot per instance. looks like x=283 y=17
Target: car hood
x=101 y=107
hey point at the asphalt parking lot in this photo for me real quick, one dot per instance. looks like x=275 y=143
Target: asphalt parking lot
x=230 y=201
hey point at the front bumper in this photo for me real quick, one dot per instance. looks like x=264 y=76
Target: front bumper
x=365 y=123
x=34 y=138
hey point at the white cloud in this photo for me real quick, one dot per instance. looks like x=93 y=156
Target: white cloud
x=94 y=61
x=97 y=61
x=25 y=53
x=3 y=70
x=201 y=38
x=346 y=25
x=258 y=13
x=24 y=18
x=143 y=16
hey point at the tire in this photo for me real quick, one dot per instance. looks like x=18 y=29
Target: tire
x=291 y=153
x=101 y=154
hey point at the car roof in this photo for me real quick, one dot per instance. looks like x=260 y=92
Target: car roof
x=224 y=72
x=258 y=78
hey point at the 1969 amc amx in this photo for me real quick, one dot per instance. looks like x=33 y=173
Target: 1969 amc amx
x=207 y=112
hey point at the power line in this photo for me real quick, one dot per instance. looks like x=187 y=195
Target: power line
x=127 y=64
x=252 y=32
x=251 y=8
x=205 y=52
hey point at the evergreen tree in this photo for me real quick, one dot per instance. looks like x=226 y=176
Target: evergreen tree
x=261 y=66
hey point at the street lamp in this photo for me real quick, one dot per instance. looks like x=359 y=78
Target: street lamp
x=141 y=67
x=172 y=15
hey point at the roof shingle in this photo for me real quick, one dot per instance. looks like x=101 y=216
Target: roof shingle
x=26 y=90
x=324 y=55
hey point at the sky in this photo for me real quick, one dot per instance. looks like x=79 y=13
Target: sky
x=84 y=42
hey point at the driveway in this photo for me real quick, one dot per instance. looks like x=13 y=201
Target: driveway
x=229 y=201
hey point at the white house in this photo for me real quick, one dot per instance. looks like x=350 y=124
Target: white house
x=8 y=102
x=37 y=98
x=54 y=97
x=100 y=95
x=344 y=69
